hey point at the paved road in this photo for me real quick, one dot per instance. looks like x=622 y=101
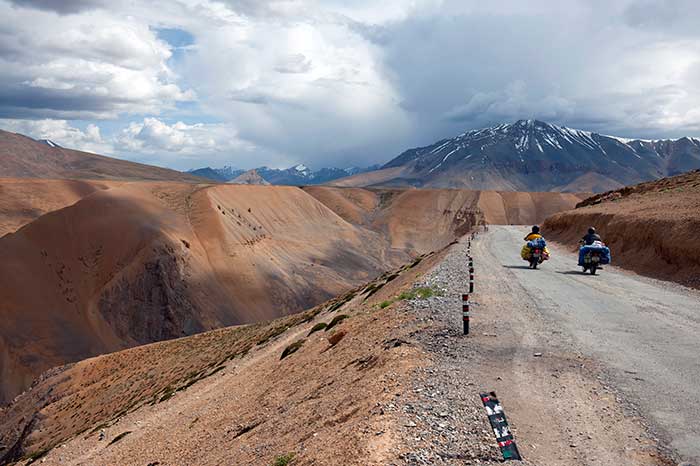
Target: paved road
x=646 y=332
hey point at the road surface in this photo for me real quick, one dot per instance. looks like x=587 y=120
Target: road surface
x=644 y=332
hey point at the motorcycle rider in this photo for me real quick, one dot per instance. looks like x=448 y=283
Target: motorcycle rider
x=591 y=237
x=534 y=234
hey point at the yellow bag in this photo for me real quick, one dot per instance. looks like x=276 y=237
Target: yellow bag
x=525 y=252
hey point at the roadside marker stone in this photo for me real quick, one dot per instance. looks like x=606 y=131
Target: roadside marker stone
x=499 y=424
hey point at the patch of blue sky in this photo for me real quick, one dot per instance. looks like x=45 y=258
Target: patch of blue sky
x=176 y=38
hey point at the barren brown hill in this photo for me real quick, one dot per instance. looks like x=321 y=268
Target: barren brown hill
x=651 y=228
x=24 y=199
x=23 y=157
x=411 y=219
x=78 y=400
x=410 y=215
x=146 y=261
x=117 y=264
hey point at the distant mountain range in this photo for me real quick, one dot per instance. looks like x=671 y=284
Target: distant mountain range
x=297 y=175
x=531 y=155
x=528 y=155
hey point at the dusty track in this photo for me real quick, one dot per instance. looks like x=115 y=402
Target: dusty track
x=555 y=395
x=638 y=335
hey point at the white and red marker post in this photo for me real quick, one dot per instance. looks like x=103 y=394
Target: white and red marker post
x=465 y=313
x=471 y=279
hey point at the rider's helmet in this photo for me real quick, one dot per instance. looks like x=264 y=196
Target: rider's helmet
x=591 y=231
x=535 y=229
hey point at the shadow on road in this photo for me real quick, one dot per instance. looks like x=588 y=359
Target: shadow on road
x=516 y=266
x=573 y=272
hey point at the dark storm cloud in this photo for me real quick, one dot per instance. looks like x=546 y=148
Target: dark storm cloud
x=63 y=7
x=37 y=100
x=672 y=17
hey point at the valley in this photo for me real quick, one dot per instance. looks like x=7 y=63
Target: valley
x=134 y=308
x=174 y=259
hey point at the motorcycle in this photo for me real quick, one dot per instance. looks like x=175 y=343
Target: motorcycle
x=536 y=257
x=591 y=261
x=591 y=257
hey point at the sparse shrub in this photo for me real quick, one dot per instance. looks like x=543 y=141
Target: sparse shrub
x=384 y=304
x=283 y=460
x=168 y=393
x=272 y=333
x=119 y=437
x=336 y=337
x=317 y=327
x=423 y=292
x=336 y=320
x=293 y=348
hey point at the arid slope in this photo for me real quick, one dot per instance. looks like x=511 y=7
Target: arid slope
x=23 y=157
x=652 y=227
x=427 y=214
x=118 y=264
x=115 y=264
x=24 y=199
x=144 y=262
x=319 y=402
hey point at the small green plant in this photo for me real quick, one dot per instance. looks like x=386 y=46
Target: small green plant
x=283 y=460
x=384 y=304
x=317 y=327
x=119 y=437
x=293 y=348
x=423 y=292
x=336 y=320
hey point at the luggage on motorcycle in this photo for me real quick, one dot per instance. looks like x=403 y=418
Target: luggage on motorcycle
x=586 y=251
x=537 y=243
x=545 y=253
x=525 y=252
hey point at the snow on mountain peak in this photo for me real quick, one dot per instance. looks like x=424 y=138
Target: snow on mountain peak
x=49 y=143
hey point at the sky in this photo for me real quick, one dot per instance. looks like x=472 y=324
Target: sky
x=246 y=83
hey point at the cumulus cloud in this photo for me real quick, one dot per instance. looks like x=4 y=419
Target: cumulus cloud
x=180 y=144
x=330 y=82
x=61 y=132
x=92 y=65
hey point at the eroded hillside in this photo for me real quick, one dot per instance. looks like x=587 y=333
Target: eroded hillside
x=428 y=215
x=114 y=265
x=323 y=395
x=96 y=267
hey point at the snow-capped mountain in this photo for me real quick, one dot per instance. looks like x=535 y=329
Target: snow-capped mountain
x=537 y=156
x=223 y=174
x=296 y=176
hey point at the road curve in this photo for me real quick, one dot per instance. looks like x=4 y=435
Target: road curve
x=646 y=333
